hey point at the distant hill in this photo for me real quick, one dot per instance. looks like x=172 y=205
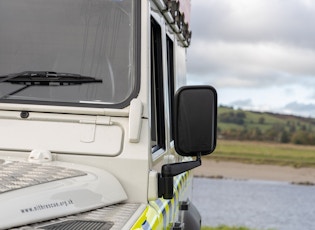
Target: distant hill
x=264 y=126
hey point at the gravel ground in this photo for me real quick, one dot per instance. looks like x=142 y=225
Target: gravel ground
x=235 y=170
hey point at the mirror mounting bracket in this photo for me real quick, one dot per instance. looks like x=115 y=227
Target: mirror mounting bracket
x=166 y=180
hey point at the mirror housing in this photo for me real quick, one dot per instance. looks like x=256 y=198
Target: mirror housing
x=195 y=132
x=195 y=120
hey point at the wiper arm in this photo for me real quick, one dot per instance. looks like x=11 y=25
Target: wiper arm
x=44 y=78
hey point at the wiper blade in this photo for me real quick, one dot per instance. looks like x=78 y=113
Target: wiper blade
x=47 y=78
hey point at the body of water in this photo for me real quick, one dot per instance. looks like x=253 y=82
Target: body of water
x=255 y=204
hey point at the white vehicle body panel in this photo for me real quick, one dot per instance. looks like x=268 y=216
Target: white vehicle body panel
x=93 y=135
x=49 y=190
x=107 y=151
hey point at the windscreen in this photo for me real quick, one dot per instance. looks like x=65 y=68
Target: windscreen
x=68 y=40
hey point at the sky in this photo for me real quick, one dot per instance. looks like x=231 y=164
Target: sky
x=258 y=54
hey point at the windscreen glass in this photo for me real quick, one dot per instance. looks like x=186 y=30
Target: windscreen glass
x=67 y=51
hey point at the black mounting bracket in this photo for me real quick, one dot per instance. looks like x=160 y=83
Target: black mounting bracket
x=165 y=178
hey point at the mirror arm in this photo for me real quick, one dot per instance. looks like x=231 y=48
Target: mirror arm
x=166 y=181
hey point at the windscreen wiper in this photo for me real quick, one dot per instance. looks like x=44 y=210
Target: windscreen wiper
x=47 y=78
x=44 y=78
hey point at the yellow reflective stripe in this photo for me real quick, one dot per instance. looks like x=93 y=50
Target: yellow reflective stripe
x=148 y=220
x=141 y=220
x=160 y=213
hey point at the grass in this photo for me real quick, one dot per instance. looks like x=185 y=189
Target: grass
x=224 y=227
x=255 y=152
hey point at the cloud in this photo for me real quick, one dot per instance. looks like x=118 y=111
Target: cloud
x=300 y=108
x=258 y=49
x=288 y=21
x=253 y=43
x=242 y=103
x=247 y=64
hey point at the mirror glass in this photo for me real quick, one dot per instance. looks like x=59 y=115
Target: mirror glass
x=195 y=120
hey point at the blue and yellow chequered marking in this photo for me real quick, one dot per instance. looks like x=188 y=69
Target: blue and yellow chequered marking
x=160 y=213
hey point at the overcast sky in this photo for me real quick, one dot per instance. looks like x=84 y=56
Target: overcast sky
x=258 y=54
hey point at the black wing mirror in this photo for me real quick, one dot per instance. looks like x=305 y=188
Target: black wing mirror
x=195 y=120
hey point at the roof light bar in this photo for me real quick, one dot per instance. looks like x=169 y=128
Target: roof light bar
x=173 y=15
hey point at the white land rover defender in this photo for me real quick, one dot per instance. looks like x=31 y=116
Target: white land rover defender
x=97 y=128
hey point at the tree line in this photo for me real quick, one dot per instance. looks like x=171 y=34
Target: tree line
x=285 y=132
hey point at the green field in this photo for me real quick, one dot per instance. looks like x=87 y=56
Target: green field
x=255 y=152
x=223 y=227
x=279 y=128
